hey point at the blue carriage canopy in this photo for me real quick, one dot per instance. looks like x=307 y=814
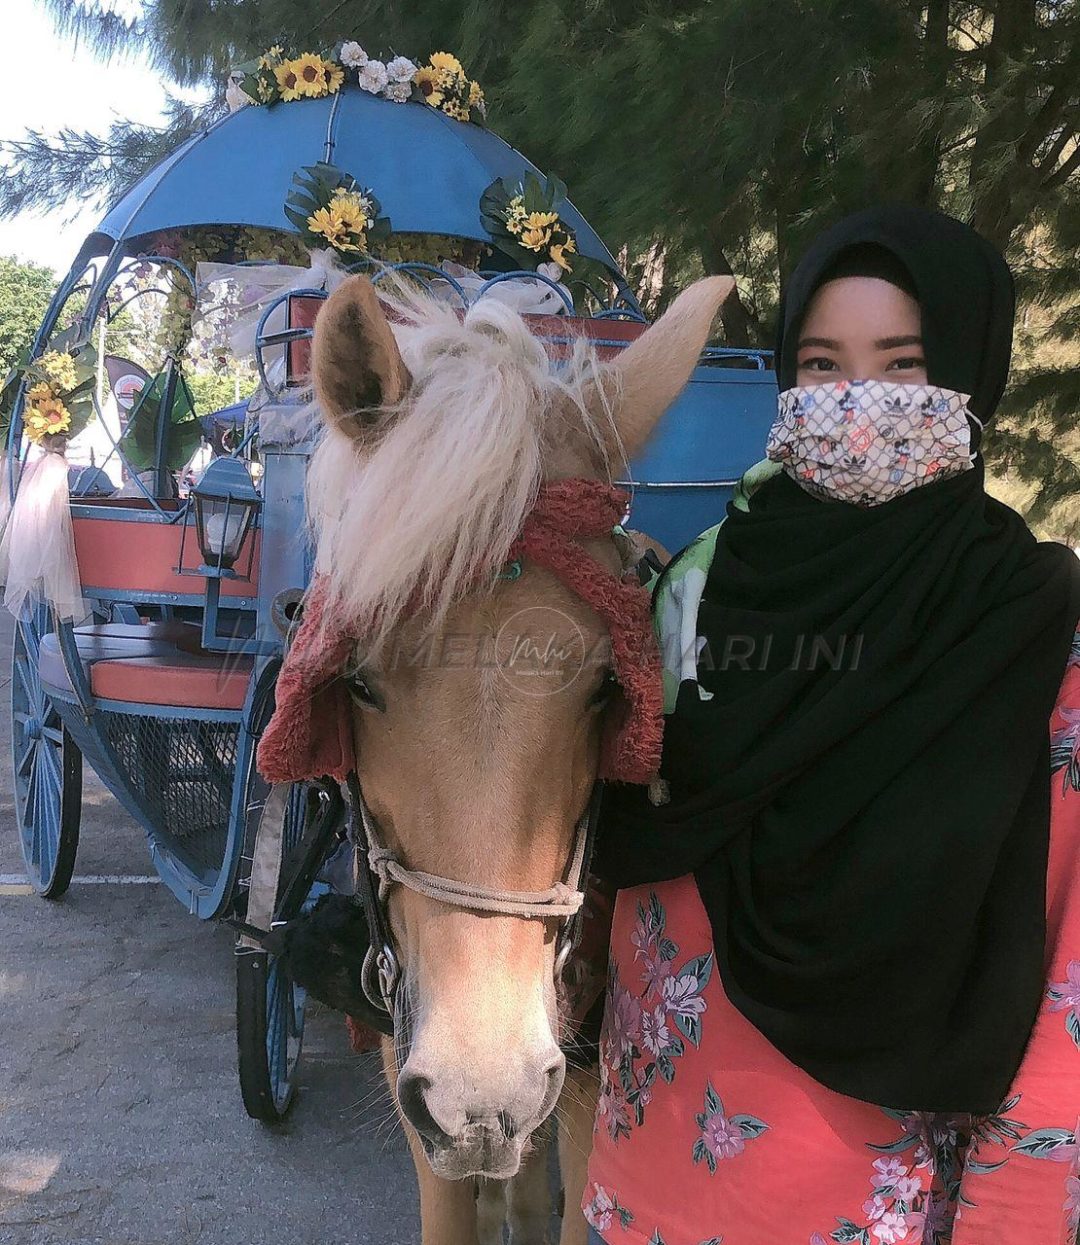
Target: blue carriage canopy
x=428 y=170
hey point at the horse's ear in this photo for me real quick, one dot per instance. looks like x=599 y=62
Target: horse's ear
x=651 y=373
x=356 y=364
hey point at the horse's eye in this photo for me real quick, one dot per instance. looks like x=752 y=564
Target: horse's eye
x=361 y=692
x=606 y=687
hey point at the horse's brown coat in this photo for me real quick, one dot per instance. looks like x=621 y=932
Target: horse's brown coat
x=472 y=775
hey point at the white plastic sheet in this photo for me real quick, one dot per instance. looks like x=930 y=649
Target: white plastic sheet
x=526 y=295
x=252 y=288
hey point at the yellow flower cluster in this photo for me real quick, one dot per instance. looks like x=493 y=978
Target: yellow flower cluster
x=45 y=414
x=445 y=85
x=59 y=369
x=344 y=222
x=540 y=231
x=305 y=77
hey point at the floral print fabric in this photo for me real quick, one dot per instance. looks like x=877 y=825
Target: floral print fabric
x=867 y=441
x=705 y=1134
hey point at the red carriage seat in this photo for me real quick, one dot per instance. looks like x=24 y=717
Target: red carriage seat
x=158 y=663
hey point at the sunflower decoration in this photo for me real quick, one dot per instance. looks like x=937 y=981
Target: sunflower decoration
x=524 y=222
x=331 y=209
x=443 y=83
x=59 y=392
x=274 y=76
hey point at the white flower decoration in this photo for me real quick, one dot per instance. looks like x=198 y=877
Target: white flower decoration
x=353 y=55
x=399 y=92
x=235 y=96
x=552 y=271
x=401 y=69
x=373 y=77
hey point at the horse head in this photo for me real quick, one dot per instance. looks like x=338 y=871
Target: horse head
x=480 y=677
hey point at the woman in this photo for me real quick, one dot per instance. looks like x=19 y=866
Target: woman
x=854 y=1014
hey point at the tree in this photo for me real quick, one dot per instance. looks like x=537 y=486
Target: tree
x=25 y=292
x=719 y=135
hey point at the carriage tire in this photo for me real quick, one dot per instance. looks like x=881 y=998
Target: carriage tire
x=47 y=770
x=269 y=1035
x=269 y=1005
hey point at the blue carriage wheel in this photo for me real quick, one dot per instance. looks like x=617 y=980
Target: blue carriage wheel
x=270 y=1006
x=47 y=767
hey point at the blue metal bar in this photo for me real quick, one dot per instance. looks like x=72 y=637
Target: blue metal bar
x=136 y=708
x=161 y=431
x=283 y=337
x=331 y=126
x=118 y=451
x=499 y=278
x=414 y=268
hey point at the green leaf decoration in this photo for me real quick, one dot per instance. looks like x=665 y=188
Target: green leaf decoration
x=536 y=195
x=183 y=431
x=314 y=189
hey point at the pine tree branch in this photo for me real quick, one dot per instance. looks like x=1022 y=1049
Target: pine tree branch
x=74 y=168
x=1064 y=171
x=105 y=33
x=1061 y=96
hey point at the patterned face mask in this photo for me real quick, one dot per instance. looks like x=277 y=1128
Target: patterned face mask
x=867 y=441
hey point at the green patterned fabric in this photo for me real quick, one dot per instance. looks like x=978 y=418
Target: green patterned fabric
x=676 y=600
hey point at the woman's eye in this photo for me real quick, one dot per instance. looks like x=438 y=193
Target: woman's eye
x=906 y=365
x=820 y=364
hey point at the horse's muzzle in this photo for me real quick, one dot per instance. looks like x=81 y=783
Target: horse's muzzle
x=462 y=1140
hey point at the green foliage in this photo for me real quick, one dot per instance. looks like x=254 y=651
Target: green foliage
x=78 y=360
x=25 y=293
x=183 y=431
x=705 y=136
x=315 y=189
x=77 y=167
x=505 y=209
x=212 y=391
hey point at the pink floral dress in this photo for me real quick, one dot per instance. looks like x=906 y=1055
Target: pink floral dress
x=705 y=1133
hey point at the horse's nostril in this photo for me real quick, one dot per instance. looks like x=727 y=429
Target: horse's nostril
x=412 y=1091
x=507 y=1124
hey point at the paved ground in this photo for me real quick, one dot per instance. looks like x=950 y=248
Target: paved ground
x=120 y=1115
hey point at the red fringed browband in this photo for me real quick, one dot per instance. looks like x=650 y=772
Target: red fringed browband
x=310 y=733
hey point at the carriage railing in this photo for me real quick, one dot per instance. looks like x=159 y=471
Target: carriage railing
x=101 y=313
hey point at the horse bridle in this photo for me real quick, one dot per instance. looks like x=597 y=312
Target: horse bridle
x=378 y=869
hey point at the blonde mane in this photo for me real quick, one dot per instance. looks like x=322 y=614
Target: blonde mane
x=425 y=505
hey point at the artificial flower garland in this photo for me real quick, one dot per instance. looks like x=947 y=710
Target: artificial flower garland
x=331 y=209
x=524 y=221
x=58 y=386
x=442 y=83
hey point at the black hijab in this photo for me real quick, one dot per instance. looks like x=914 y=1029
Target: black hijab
x=871 y=843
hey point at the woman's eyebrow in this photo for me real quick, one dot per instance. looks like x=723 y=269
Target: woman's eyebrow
x=828 y=343
x=890 y=343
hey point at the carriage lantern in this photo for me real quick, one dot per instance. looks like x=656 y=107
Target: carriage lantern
x=226 y=504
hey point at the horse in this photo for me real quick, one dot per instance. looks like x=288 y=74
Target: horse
x=479 y=694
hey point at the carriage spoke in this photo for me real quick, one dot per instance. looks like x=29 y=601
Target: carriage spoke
x=51 y=788
x=33 y=815
x=25 y=760
x=23 y=674
x=273 y=1038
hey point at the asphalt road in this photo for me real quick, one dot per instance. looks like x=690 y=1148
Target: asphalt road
x=120 y=1114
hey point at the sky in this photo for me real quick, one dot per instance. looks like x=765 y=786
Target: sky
x=48 y=83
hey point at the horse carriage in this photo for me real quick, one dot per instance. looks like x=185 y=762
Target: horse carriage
x=165 y=680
